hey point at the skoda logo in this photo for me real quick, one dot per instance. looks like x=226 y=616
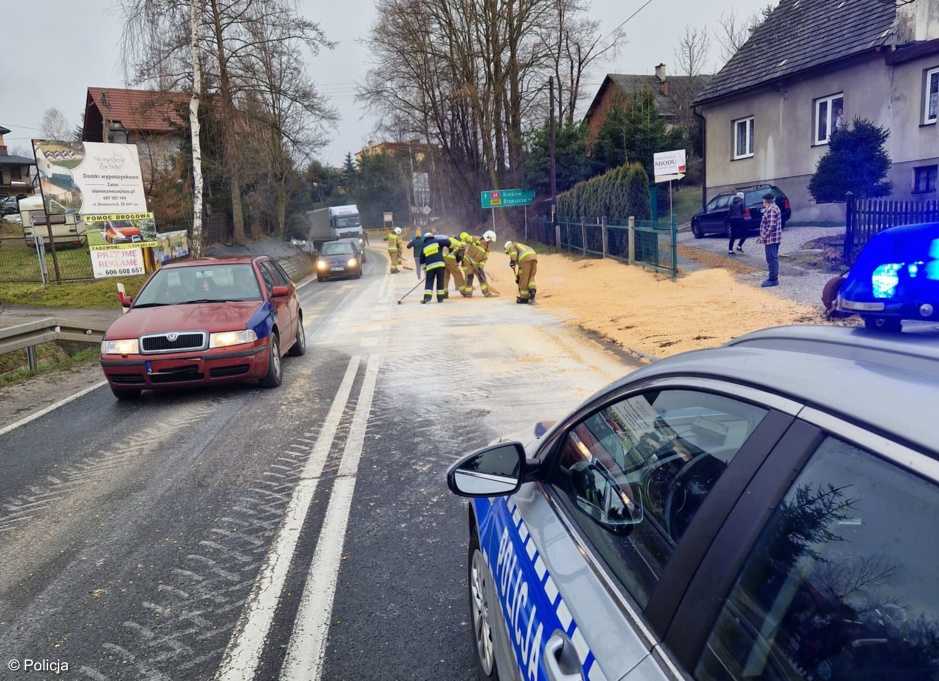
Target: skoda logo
x=171 y=337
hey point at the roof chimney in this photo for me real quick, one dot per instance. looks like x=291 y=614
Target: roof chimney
x=660 y=73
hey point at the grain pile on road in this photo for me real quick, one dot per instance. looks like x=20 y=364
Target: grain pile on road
x=649 y=313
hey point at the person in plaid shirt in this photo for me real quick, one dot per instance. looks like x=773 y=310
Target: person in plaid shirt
x=771 y=237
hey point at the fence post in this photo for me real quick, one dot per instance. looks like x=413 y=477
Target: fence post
x=604 y=239
x=848 y=247
x=674 y=240
x=631 y=244
x=55 y=258
x=557 y=235
x=32 y=359
x=583 y=236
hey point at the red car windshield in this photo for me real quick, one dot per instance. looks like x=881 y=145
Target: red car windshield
x=207 y=284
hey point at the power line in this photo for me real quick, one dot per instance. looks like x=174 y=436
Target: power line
x=629 y=18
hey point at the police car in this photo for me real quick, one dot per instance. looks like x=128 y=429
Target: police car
x=765 y=510
x=895 y=278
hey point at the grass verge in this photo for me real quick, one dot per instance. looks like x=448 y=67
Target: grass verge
x=52 y=357
x=84 y=294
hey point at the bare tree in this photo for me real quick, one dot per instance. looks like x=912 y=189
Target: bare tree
x=735 y=31
x=195 y=12
x=573 y=44
x=159 y=45
x=54 y=126
x=693 y=52
x=692 y=57
x=470 y=77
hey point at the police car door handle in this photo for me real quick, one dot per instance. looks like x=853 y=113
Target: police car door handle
x=561 y=660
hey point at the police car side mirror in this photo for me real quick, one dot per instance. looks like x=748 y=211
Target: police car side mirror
x=495 y=471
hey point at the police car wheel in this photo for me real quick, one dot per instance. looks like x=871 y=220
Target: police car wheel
x=479 y=606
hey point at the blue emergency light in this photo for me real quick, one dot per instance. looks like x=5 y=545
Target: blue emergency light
x=895 y=277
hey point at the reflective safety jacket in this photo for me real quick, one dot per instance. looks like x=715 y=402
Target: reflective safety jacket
x=477 y=252
x=519 y=252
x=455 y=249
x=432 y=252
x=394 y=241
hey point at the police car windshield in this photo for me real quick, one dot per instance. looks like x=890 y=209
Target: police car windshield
x=337 y=248
x=213 y=283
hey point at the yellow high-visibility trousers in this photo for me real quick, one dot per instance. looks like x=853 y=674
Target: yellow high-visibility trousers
x=526 y=279
x=395 y=258
x=453 y=272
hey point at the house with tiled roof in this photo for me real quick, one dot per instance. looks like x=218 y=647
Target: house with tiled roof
x=811 y=67
x=618 y=89
x=16 y=172
x=153 y=120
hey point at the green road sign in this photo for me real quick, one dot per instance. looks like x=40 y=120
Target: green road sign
x=506 y=198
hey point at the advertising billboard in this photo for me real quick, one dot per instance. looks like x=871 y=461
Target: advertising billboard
x=89 y=178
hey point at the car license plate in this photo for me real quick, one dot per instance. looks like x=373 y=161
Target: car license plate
x=337 y=269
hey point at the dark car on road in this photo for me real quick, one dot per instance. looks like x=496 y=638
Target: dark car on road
x=895 y=278
x=204 y=322
x=338 y=259
x=756 y=511
x=8 y=205
x=715 y=218
x=359 y=245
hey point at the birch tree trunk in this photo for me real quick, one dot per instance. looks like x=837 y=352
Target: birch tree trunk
x=195 y=13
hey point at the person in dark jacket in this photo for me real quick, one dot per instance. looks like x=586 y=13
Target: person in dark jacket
x=737 y=226
x=435 y=267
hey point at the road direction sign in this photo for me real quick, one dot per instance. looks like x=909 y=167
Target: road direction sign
x=669 y=165
x=506 y=198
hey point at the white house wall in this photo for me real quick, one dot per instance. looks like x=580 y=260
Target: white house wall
x=784 y=154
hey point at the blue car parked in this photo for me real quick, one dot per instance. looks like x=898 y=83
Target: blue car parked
x=754 y=512
x=896 y=277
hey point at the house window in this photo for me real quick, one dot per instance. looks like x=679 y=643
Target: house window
x=924 y=179
x=743 y=138
x=829 y=116
x=931 y=106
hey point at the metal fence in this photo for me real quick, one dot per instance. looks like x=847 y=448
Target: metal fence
x=36 y=260
x=652 y=243
x=865 y=218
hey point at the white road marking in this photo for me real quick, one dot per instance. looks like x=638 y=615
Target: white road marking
x=247 y=644
x=305 y=653
x=52 y=407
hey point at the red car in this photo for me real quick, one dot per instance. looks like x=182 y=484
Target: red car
x=203 y=322
x=121 y=232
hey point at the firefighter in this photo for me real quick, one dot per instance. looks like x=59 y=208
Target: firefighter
x=395 y=246
x=453 y=258
x=526 y=260
x=475 y=254
x=431 y=253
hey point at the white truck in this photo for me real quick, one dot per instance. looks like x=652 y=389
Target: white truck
x=329 y=224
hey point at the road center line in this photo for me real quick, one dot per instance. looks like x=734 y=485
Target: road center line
x=247 y=644
x=304 y=660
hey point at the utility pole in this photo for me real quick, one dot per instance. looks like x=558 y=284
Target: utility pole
x=195 y=16
x=552 y=166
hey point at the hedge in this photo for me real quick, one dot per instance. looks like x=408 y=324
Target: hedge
x=615 y=195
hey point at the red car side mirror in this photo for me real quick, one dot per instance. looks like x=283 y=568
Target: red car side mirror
x=125 y=299
x=280 y=292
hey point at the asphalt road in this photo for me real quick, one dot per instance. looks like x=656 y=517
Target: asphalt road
x=297 y=533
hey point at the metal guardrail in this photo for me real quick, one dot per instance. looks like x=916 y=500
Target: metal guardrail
x=27 y=335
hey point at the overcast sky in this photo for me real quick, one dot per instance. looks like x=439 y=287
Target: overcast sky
x=55 y=49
